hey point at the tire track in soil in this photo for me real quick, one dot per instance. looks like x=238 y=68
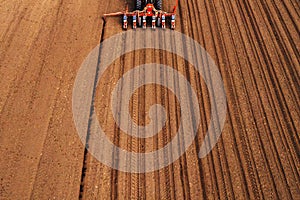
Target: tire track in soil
x=242 y=63
x=218 y=165
x=204 y=164
x=284 y=56
x=262 y=73
x=281 y=125
x=217 y=159
x=248 y=84
x=261 y=147
x=271 y=160
x=205 y=117
x=162 y=97
x=221 y=164
x=90 y=169
x=252 y=104
x=135 y=179
x=274 y=99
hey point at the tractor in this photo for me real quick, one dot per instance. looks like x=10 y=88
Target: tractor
x=147 y=9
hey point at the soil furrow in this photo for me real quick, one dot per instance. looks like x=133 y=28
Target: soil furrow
x=253 y=43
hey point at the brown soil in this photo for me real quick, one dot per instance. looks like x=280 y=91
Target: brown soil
x=255 y=44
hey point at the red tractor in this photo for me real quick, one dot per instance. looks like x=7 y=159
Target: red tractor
x=146 y=9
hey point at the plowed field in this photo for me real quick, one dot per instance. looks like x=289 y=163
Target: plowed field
x=254 y=43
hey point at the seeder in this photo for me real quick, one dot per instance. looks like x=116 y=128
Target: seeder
x=146 y=9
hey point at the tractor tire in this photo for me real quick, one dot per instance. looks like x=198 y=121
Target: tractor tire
x=138 y=5
x=140 y=21
x=158 y=22
x=158 y=4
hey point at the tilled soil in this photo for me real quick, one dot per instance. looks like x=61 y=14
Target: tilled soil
x=255 y=44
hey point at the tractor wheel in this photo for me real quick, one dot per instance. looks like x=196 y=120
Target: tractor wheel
x=158 y=5
x=158 y=21
x=138 y=5
x=140 y=21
